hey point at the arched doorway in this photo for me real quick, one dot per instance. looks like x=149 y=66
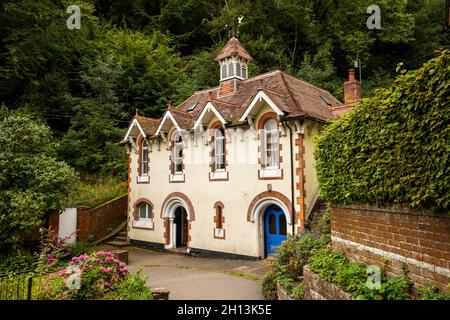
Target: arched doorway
x=275 y=228
x=181 y=227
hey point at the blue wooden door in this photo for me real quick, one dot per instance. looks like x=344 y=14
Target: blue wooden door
x=275 y=228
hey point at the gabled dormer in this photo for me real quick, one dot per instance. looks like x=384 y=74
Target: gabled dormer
x=233 y=62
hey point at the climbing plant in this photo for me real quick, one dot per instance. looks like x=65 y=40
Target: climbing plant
x=394 y=147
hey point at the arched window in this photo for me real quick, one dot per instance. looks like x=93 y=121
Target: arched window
x=177 y=153
x=144 y=158
x=145 y=211
x=272 y=148
x=219 y=150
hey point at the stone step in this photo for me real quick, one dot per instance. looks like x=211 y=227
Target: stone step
x=115 y=243
x=122 y=234
x=120 y=238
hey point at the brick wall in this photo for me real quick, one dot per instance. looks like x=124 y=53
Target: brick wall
x=99 y=221
x=317 y=289
x=395 y=238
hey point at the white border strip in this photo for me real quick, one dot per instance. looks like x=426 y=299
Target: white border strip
x=394 y=256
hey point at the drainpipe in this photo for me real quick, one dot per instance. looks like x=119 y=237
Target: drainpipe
x=292 y=177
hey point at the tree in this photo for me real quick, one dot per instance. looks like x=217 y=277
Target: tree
x=32 y=181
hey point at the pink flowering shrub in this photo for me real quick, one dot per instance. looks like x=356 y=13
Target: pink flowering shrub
x=96 y=276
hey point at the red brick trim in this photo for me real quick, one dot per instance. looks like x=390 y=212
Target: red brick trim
x=184 y=198
x=300 y=185
x=273 y=194
x=266 y=116
x=129 y=197
x=166 y=231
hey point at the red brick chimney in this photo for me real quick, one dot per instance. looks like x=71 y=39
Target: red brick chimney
x=352 y=88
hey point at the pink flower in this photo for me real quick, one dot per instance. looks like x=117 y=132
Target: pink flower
x=107 y=284
x=91 y=267
x=61 y=272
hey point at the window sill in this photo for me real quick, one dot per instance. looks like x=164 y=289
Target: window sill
x=270 y=173
x=144 y=224
x=219 y=233
x=143 y=179
x=218 y=176
x=177 y=177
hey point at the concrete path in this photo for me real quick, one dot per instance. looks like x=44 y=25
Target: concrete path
x=194 y=278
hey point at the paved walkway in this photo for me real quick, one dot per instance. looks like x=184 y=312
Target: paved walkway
x=194 y=278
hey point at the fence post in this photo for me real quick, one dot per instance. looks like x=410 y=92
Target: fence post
x=30 y=286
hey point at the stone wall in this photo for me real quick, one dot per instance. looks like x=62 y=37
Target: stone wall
x=395 y=237
x=317 y=289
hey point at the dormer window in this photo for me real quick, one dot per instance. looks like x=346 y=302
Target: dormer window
x=144 y=158
x=230 y=69
x=272 y=138
x=244 y=71
x=178 y=154
x=219 y=150
x=143 y=176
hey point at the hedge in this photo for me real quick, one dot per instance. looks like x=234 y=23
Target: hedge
x=395 y=147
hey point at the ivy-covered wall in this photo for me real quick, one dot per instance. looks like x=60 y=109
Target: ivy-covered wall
x=395 y=147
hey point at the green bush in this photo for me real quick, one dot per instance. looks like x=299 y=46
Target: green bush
x=16 y=261
x=133 y=287
x=394 y=147
x=333 y=266
x=432 y=292
x=96 y=276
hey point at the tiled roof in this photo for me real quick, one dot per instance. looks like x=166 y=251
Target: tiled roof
x=295 y=97
x=149 y=125
x=233 y=47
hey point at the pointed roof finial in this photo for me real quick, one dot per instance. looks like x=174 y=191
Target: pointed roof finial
x=169 y=104
x=136 y=112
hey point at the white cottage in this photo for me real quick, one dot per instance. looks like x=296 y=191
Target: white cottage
x=230 y=171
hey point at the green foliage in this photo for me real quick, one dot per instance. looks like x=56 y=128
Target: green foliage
x=352 y=277
x=297 y=291
x=16 y=261
x=291 y=257
x=393 y=148
x=28 y=171
x=92 y=194
x=133 y=287
x=432 y=292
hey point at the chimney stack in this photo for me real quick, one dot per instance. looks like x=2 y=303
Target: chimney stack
x=352 y=88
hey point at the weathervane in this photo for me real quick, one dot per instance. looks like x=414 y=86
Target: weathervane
x=234 y=32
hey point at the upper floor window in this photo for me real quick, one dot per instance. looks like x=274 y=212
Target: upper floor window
x=178 y=153
x=219 y=150
x=144 y=158
x=272 y=138
x=244 y=71
x=230 y=69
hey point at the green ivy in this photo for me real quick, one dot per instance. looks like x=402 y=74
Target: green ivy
x=394 y=147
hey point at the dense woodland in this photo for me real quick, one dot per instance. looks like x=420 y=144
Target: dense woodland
x=86 y=84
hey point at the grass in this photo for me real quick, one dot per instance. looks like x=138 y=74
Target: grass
x=92 y=194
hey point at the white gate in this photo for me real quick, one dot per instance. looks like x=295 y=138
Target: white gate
x=68 y=225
